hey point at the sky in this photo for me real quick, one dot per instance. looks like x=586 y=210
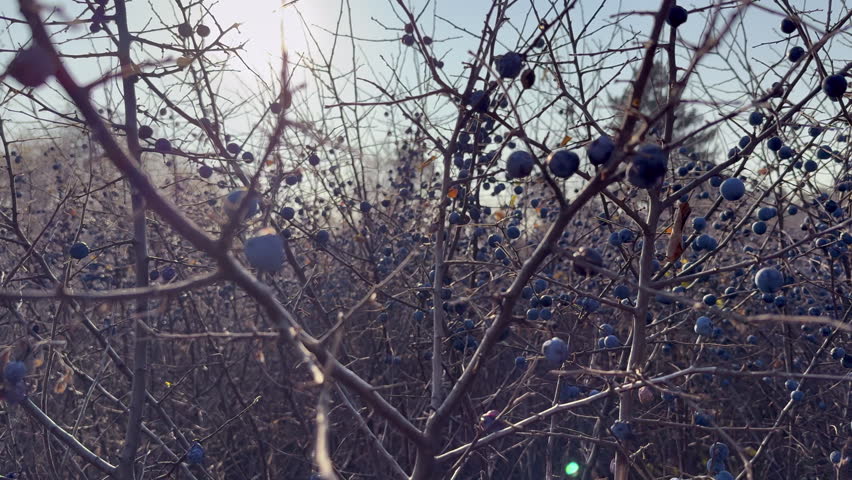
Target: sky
x=306 y=28
x=306 y=25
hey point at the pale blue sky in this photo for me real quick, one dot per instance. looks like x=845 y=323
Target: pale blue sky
x=375 y=23
x=379 y=55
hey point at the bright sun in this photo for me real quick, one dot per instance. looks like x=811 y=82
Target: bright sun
x=263 y=23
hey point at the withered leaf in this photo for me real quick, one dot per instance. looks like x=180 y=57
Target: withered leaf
x=675 y=249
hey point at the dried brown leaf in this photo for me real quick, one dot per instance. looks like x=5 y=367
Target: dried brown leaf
x=675 y=249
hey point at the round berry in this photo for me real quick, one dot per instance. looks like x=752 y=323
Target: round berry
x=32 y=66
x=520 y=164
x=732 y=189
x=677 y=16
x=509 y=64
x=14 y=372
x=265 y=250
x=563 y=163
x=79 y=251
x=834 y=86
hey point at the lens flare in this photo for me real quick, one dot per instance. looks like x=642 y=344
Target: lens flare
x=572 y=469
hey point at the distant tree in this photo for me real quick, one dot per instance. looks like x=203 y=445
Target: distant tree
x=687 y=118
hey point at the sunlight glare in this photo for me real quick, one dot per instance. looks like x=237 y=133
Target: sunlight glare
x=262 y=25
